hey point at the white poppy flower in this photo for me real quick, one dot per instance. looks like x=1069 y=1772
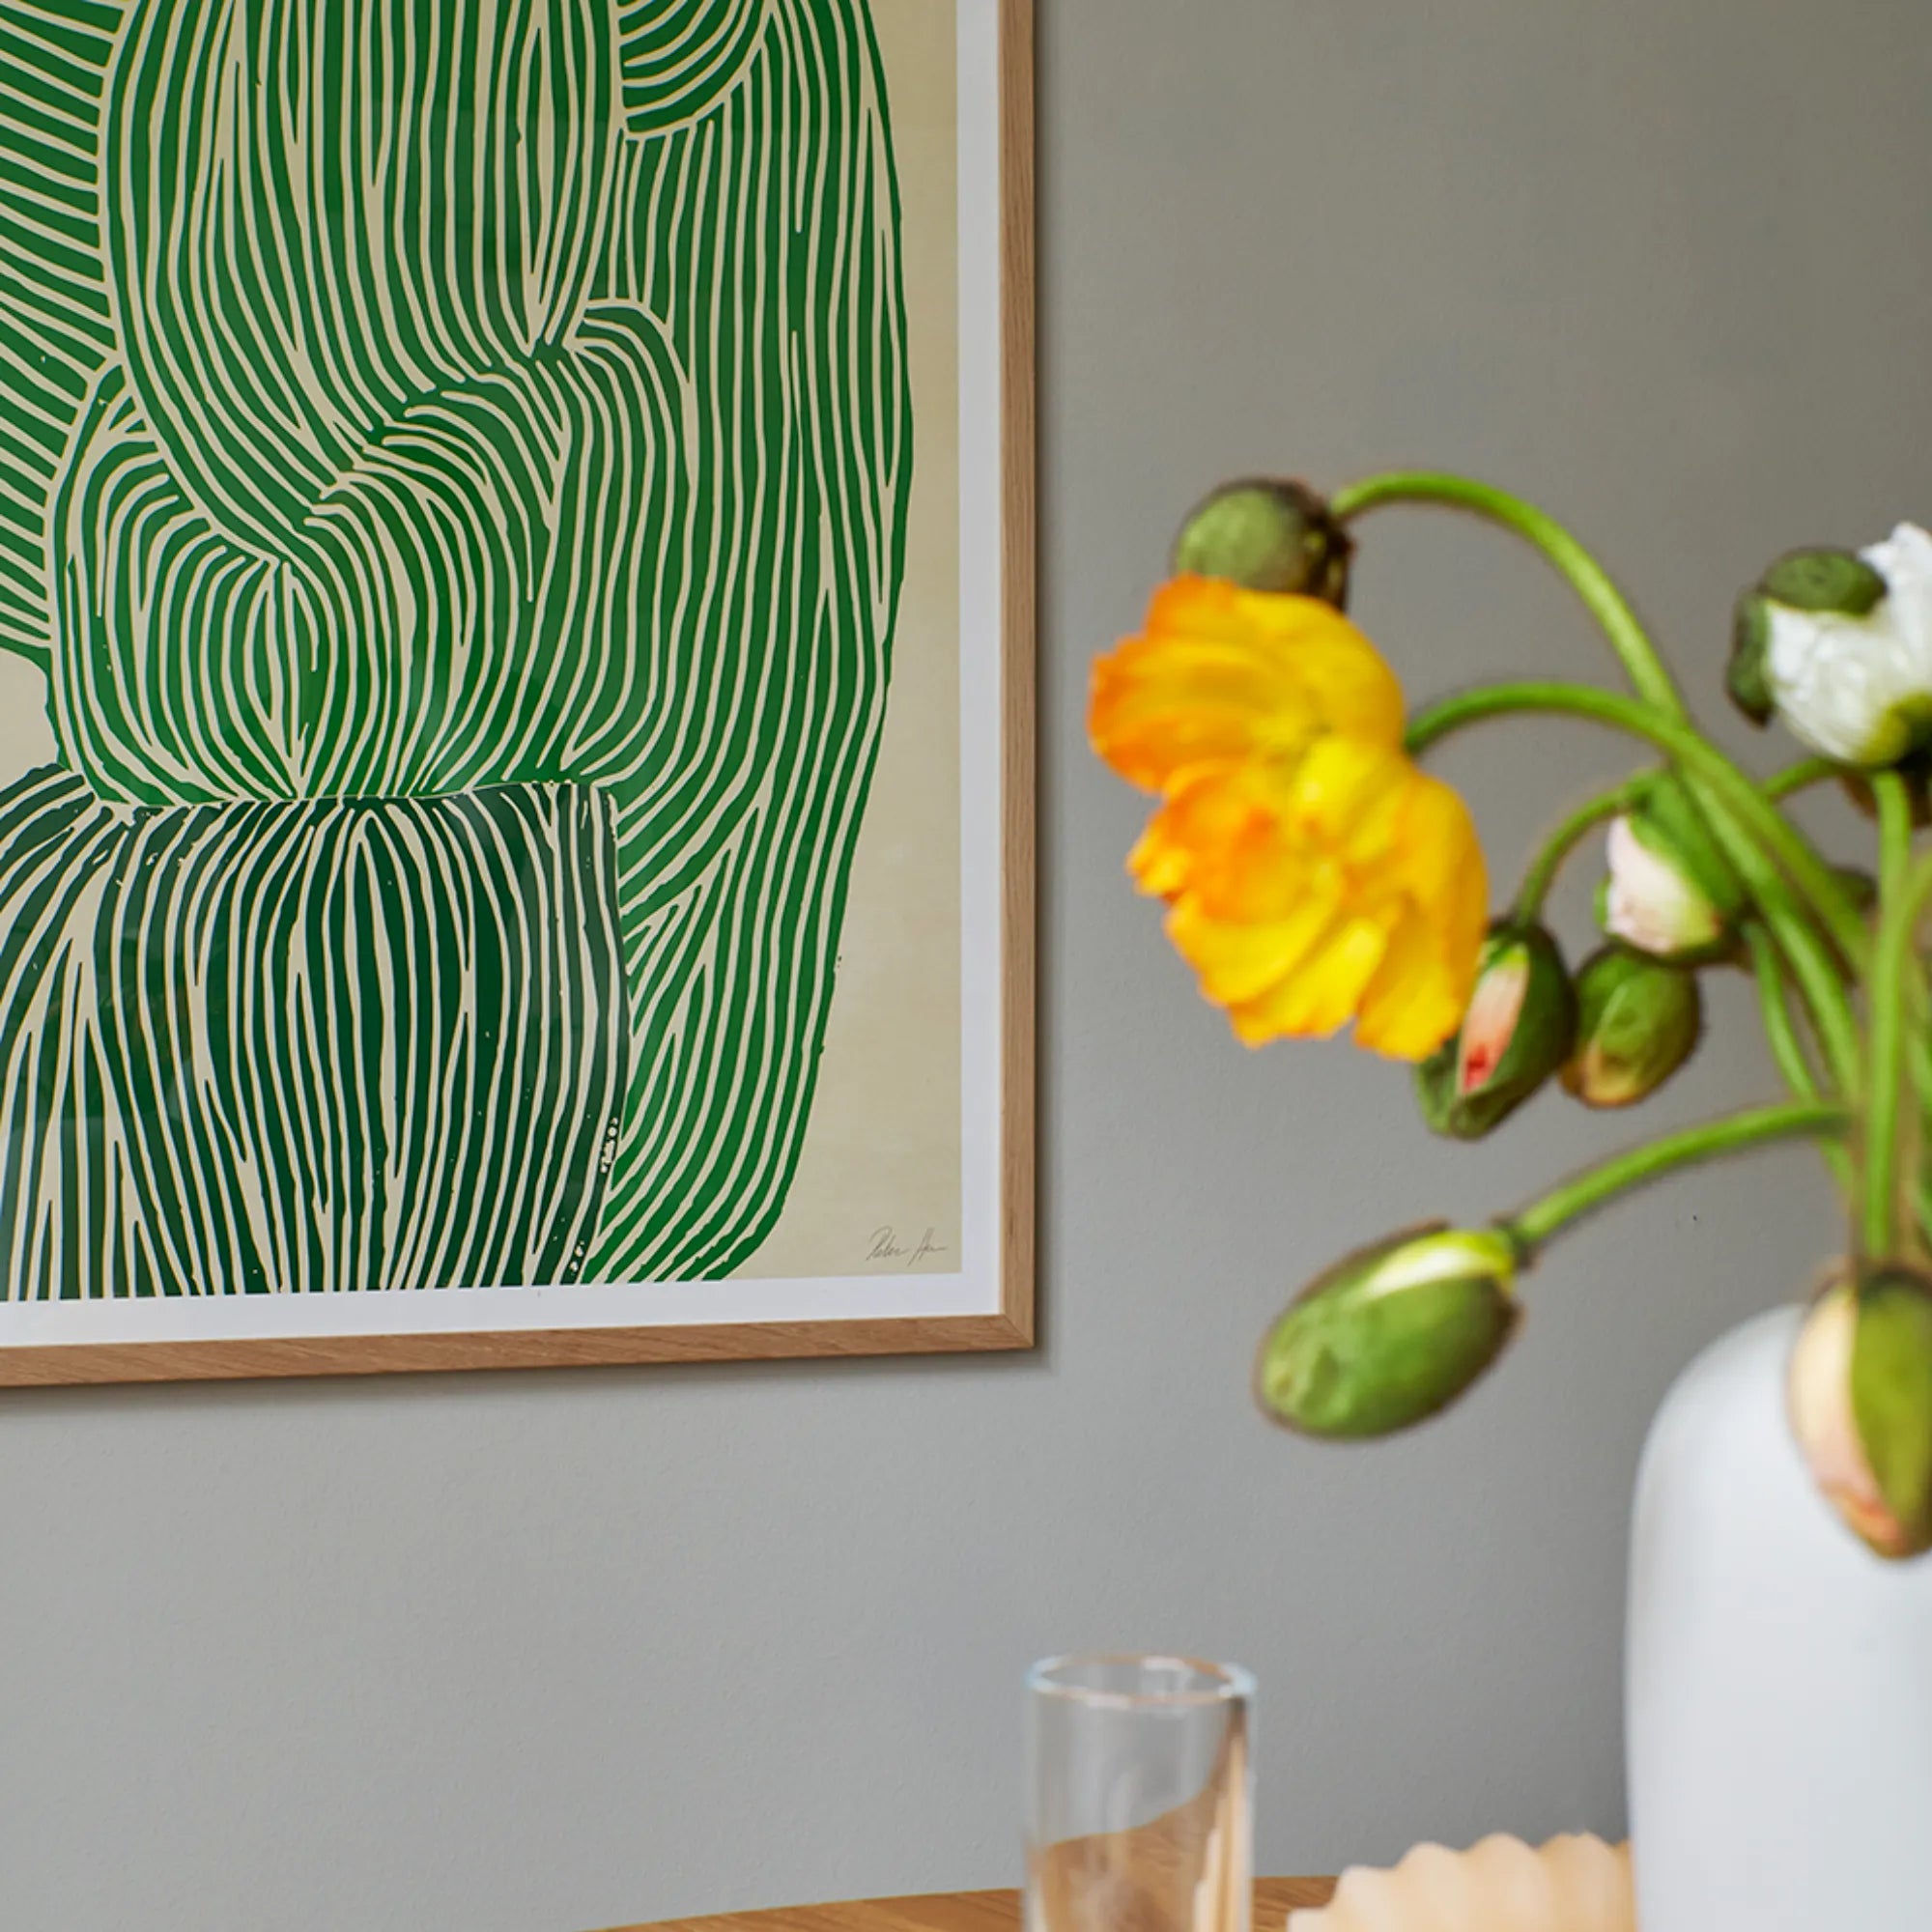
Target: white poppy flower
x=1859 y=688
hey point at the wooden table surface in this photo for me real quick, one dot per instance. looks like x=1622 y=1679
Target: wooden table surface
x=960 y=1911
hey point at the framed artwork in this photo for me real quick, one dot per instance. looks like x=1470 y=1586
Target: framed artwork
x=516 y=683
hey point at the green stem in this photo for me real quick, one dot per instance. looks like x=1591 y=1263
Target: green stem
x=1695 y=755
x=1592 y=583
x=1919 y=1060
x=1583 y=1193
x=1705 y=768
x=1894 y=800
x=1805 y=952
x=1774 y=991
x=1558 y=847
x=1902 y=890
x=1781 y=1029
x=1800 y=777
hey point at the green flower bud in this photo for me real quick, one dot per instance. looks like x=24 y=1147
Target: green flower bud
x=1860 y=1401
x=1837 y=582
x=1637 y=1021
x=1825 y=579
x=1519 y=1029
x=1671 y=892
x=1840 y=645
x=1275 y=536
x=1390 y=1335
x=1744 y=680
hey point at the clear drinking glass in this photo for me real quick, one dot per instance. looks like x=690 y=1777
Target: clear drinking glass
x=1139 y=1795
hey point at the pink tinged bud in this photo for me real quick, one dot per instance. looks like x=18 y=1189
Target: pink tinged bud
x=1519 y=1025
x=1653 y=905
x=1820 y=1394
x=1491 y=1022
x=1860 y=1400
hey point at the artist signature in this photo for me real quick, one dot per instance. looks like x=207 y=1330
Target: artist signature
x=887 y=1246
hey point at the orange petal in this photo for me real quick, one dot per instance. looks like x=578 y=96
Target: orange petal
x=1159 y=707
x=1223 y=837
x=1443 y=870
x=1418 y=995
x=1355 y=694
x=1240 y=961
x=1319 y=998
x=1222 y=674
x=1350 y=796
x=1207 y=812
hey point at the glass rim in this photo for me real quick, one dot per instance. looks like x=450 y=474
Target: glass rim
x=1230 y=1683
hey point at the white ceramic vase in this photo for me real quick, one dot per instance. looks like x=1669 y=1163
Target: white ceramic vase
x=1780 y=1678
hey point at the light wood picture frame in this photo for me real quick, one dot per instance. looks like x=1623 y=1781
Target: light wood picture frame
x=883 y=1057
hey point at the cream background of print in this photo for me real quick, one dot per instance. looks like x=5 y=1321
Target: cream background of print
x=877 y=1186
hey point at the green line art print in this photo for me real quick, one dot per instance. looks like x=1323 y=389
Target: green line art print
x=453 y=468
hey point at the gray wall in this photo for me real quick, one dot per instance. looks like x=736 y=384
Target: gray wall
x=538 y=1654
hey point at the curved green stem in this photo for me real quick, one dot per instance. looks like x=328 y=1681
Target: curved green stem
x=1744 y=824
x=1805 y=952
x=1742 y=816
x=1920 y=1062
x=1695 y=755
x=1558 y=847
x=1894 y=800
x=1774 y=991
x=1902 y=890
x=1638 y=655
x=1535 y=1225
x=1781 y=1029
x=1592 y=583
x=1800 y=777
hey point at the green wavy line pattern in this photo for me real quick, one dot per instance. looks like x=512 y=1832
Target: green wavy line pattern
x=679 y=60
x=223 y=1067
x=434 y=407
x=55 y=330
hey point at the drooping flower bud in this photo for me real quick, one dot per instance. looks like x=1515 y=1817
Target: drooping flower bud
x=1860 y=1400
x=1391 y=1334
x=1839 y=646
x=1267 y=535
x=1670 y=892
x=1519 y=1029
x=1637 y=1021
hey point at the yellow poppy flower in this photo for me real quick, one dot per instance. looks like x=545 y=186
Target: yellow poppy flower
x=1314 y=874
